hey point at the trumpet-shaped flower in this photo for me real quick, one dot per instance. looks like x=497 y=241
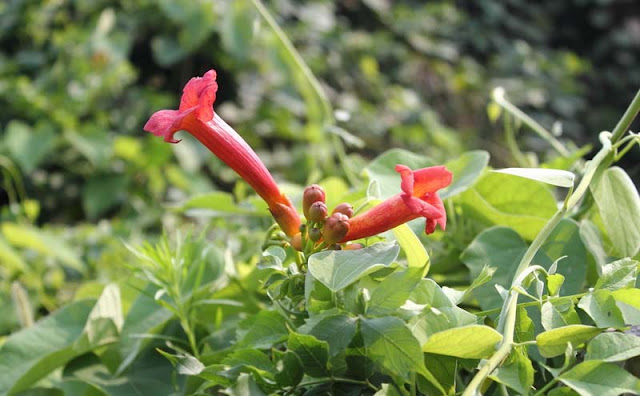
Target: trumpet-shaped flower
x=419 y=198
x=196 y=116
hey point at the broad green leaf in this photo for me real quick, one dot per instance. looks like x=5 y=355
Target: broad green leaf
x=500 y=248
x=43 y=242
x=382 y=169
x=105 y=320
x=562 y=391
x=521 y=204
x=613 y=347
x=555 y=177
x=554 y=342
x=337 y=269
x=387 y=390
x=468 y=342
x=101 y=193
x=34 y=352
x=594 y=377
x=313 y=353
x=592 y=240
x=151 y=374
x=412 y=247
x=29 y=146
x=619 y=206
x=558 y=313
x=628 y=300
x=516 y=373
x=466 y=169
x=336 y=329
x=262 y=330
x=218 y=202
x=554 y=282
x=620 y=274
x=393 y=291
x=601 y=307
x=184 y=364
x=144 y=317
x=292 y=372
x=391 y=345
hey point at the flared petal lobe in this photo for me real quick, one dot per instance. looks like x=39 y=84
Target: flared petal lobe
x=419 y=198
x=196 y=116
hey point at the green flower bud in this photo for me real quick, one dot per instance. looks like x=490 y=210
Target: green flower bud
x=315 y=234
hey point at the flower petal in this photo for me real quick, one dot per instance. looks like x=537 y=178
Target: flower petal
x=407 y=178
x=199 y=94
x=428 y=180
x=163 y=123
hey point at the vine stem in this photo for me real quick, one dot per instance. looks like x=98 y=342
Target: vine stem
x=508 y=315
x=327 y=109
x=499 y=97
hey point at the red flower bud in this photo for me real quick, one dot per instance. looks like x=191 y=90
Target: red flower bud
x=335 y=228
x=344 y=208
x=317 y=212
x=313 y=193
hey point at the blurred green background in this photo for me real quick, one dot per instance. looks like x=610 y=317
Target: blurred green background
x=78 y=80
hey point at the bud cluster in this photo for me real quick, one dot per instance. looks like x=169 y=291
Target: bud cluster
x=322 y=229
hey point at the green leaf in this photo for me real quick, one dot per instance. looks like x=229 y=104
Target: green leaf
x=337 y=329
x=41 y=241
x=10 y=259
x=555 y=177
x=34 y=352
x=185 y=364
x=382 y=169
x=468 y=342
x=521 y=204
x=554 y=282
x=601 y=307
x=236 y=37
x=29 y=146
x=554 y=342
x=390 y=344
x=102 y=193
x=500 y=248
x=466 y=170
x=613 y=347
x=292 y=372
x=393 y=291
x=337 y=269
x=628 y=300
x=387 y=390
x=619 y=206
x=218 y=202
x=144 y=317
x=620 y=274
x=592 y=240
x=105 y=320
x=313 y=353
x=261 y=331
x=600 y=378
x=516 y=373
x=558 y=313
x=412 y=247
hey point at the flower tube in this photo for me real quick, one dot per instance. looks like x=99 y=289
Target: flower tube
x=196 y=116
x=419 y=198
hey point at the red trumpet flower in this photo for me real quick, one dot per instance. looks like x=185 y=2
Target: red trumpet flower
x=196 y=116
x=419 y=198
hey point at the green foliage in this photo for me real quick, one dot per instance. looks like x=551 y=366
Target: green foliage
x=532 y=289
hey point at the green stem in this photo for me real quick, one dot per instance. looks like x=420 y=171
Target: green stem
x=508 y=316
x=627 y=118
x=544 y=389
x=499 y=97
